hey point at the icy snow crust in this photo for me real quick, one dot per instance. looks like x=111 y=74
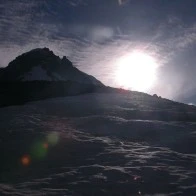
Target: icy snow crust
x=100 y=151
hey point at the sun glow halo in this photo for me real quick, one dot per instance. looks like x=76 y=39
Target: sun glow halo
x=136 y=71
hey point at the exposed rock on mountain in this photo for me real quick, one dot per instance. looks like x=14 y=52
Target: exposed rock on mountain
x=40 y=74
x=43 y=64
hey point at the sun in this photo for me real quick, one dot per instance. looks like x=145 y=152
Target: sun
x=136 y=71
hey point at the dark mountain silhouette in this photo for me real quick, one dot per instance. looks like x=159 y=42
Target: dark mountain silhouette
x=40 y=74
x=43 y=64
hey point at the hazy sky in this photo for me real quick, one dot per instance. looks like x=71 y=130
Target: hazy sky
x=93 y=34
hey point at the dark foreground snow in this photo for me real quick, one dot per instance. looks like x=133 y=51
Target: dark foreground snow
x=88 y=145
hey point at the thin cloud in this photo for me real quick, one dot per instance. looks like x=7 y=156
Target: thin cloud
x=76 y=3
x=123 y=2
x=182 y=35
x=94 y=48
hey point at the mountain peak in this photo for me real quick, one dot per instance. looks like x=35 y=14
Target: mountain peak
x=33 y=58
x=38 y=56
x=43 y=64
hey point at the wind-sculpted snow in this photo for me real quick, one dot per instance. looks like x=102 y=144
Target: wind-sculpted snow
x=88 y=145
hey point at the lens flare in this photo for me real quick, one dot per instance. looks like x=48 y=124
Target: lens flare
x=53 y=138
x=39 y=150
x=45 y=145
x=25 y=160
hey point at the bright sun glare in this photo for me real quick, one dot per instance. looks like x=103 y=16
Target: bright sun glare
x=136 y=71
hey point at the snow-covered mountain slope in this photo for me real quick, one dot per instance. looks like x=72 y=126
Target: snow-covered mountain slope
x=90 y=145
x=36 y=73
x=43 y=64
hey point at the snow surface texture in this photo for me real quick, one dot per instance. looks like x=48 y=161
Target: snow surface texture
x=37 y=73
x=89 y=146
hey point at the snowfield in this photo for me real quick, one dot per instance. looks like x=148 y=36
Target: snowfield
x=89 y=145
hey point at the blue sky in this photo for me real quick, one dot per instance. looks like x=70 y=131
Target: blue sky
x=93 y=34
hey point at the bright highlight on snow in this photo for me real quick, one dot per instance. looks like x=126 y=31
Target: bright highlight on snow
x=136 y=71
